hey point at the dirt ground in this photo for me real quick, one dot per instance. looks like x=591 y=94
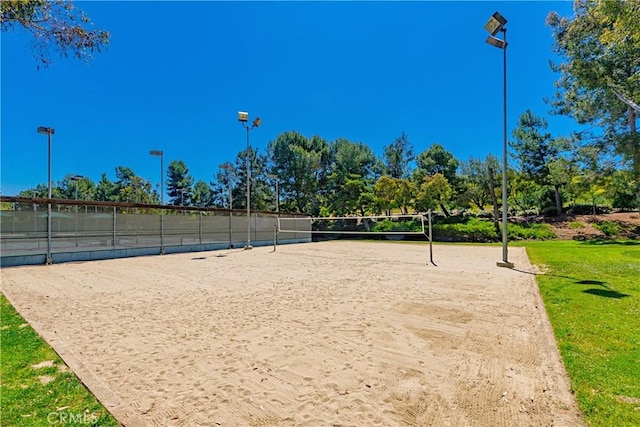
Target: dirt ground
x=333 y=333
x=581 y=227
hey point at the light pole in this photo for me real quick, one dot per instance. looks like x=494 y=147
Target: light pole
x=494 y=25
x=160 y=153
x=275 y=178
x=229 y=168
x=48 y=131
x=243 y=117
x=76 y=178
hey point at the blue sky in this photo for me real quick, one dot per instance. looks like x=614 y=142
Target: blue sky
x=176 y=73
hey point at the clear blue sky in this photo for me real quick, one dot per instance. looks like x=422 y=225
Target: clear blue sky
x=175 y=75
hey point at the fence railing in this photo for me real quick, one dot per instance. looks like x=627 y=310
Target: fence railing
x=125 y=229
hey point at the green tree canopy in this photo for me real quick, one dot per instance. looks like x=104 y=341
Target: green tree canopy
x=302 y=165
x=434 y=191
x=202 y=194
x=179 y=183
x=436 y=159
x=397 y=156
x=478 y=186
x=350 y=182
x=600 y=74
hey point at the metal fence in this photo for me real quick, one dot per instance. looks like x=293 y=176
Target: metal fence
x=98 y=230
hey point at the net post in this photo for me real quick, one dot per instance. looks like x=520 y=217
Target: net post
x=430 y=240
x=275 y=237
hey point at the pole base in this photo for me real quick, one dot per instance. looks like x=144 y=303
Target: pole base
x=248 y=247
x=505 y=264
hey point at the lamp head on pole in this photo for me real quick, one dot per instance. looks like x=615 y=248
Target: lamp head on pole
x=495 y=23
x=243 y=116
x=256 y=122
x=156 y=152
x=493 y=41
x=76 y=177
x=46 y=131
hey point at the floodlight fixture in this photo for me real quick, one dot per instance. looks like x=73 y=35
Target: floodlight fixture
x=256 y=122
x=46 y=131
x=495 y=23
x=493 y=41
x=243 y=116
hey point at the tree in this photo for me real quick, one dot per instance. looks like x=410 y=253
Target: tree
x=224 y=182
x=56 y=25
x=128 y=188
x=302 y=165
x=476 y=184
x=405 y=194
x=386 y=189
x=397 y=156
x=41 y=190
x=435 y=190
x=436 y=159
x=179 y=183
x=350 y=181
x=106 y=190
x=202 y=195
x=85 y=188
x=622 y=196
x=538 y=154
x=599 y=78
x=260 y=194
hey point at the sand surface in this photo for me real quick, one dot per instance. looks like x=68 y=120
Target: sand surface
x=318 y=334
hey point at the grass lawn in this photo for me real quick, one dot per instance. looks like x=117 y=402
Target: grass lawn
x=37 y=388
x=591 y=292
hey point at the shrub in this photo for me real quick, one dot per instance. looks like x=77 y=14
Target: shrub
x=471 y=230
x=414 y=225
x=530 y=231
x=576 y=224
x=609 y=228
x=587 y=210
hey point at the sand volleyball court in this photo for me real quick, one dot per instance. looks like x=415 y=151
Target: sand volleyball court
x=319 y=334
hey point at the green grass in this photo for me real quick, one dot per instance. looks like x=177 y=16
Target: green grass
x=25 y=398
x=591 y=292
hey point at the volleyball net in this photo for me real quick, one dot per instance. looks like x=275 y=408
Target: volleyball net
x=390 y=227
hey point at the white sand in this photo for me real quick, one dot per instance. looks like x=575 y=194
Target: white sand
x=319 y=334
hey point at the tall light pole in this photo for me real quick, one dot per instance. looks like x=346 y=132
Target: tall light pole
x=275 y=178
x=229 y=168
x=494 y=25
x=48 y=131
x=160 y=153
x=76 y=178
x=243 y=117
